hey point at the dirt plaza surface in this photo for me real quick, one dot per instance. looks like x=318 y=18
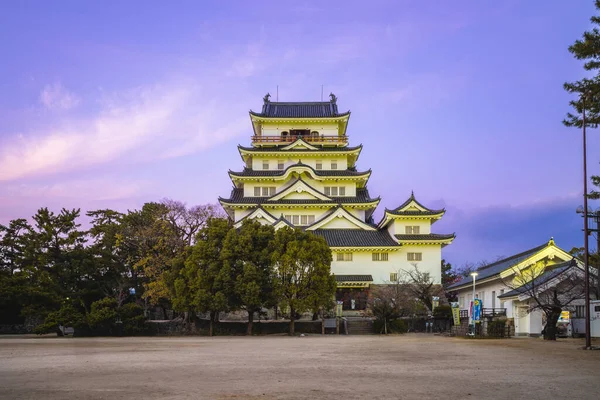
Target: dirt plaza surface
x=412 y=366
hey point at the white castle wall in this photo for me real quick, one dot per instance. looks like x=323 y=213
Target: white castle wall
x=362 y=263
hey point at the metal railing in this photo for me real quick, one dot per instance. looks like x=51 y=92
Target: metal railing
x=293 y=138
x=486 y=312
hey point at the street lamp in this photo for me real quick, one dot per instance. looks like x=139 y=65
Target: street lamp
x=472 y=322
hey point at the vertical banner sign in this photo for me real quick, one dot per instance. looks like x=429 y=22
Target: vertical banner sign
x=435 y=301
x=339 y=308
x=477 y=310
x=455 y=313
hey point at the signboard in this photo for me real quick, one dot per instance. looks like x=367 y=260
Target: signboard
x=477 y=305
x=565 y=316
x=435 y=302
x=339 y=308
x=455 y=313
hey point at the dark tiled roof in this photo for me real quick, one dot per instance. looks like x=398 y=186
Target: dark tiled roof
x=237 y=196
x=309 y=109
x=427 y=236
x=556 y=270
x=499 y=266
x=354 y=278
x=345 y=172
x=414 y=213
x=428 y=211
x=356 y=238
x=319 y=150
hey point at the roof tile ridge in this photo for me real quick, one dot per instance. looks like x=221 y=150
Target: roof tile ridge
x=512 y=257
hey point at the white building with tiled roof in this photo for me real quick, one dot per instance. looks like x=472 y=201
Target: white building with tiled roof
x=499 y=285
x=300 y=171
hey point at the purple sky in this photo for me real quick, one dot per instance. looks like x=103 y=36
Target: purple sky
x=121 y=103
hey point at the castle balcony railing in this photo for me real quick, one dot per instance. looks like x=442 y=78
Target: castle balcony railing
x=334 y=139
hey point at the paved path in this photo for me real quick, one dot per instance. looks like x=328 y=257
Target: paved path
x=412 y=366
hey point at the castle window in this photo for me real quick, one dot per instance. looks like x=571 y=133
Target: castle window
x=412 y=230
x=300 y=219
x=414 y=256
x=280 y=164
x=394 y=277
x=334 y=190
x=264 y=191
x=318 y=164
x=265 y=164
x=380 y=256
x=344 y=257
x=334 y=165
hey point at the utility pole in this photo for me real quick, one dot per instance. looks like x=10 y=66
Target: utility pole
x=588 y=334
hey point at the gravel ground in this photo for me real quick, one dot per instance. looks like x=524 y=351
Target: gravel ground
x=412 y=366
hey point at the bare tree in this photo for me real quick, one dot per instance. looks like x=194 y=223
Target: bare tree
x=420 y=285
x=551 y=290
x=390 y=302
x=186 y=222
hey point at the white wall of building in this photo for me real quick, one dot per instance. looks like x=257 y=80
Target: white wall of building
x=349 y=186
x=362 y=263
x=401 y=224
x=257 y=162
x=488 y=292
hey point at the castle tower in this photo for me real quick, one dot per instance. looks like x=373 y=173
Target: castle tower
x=300 y=171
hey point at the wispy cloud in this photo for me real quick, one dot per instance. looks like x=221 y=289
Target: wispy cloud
x=56 y=97
x=131 y=126
x=100 y=189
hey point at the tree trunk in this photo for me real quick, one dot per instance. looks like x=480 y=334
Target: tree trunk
x=292 y=321
x=211 y=323
x=250 y=322
x=551 y=320
x=315 y=316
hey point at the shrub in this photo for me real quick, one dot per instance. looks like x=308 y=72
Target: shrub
x=103 y=316
x=496 y=328
x=67 y=315
x=132 y=316
x=444 y=311
x=393 y=326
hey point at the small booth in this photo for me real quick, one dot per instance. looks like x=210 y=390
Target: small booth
x=353 y=291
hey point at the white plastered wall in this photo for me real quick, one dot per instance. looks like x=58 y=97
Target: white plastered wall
x=363 y=264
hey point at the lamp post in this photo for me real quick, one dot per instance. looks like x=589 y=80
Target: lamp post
x=472 y=322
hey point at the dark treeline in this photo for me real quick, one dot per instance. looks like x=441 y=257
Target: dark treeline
x=105 y=279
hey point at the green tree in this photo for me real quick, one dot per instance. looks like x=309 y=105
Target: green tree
x=302 y=271
x=203 y=283
x=587 y=90
x=449 y=276
x=13 y=244
x=247 y=259
x=155 y=240
x=58 y=264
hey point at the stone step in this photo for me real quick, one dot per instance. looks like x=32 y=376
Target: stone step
x=360 y=327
